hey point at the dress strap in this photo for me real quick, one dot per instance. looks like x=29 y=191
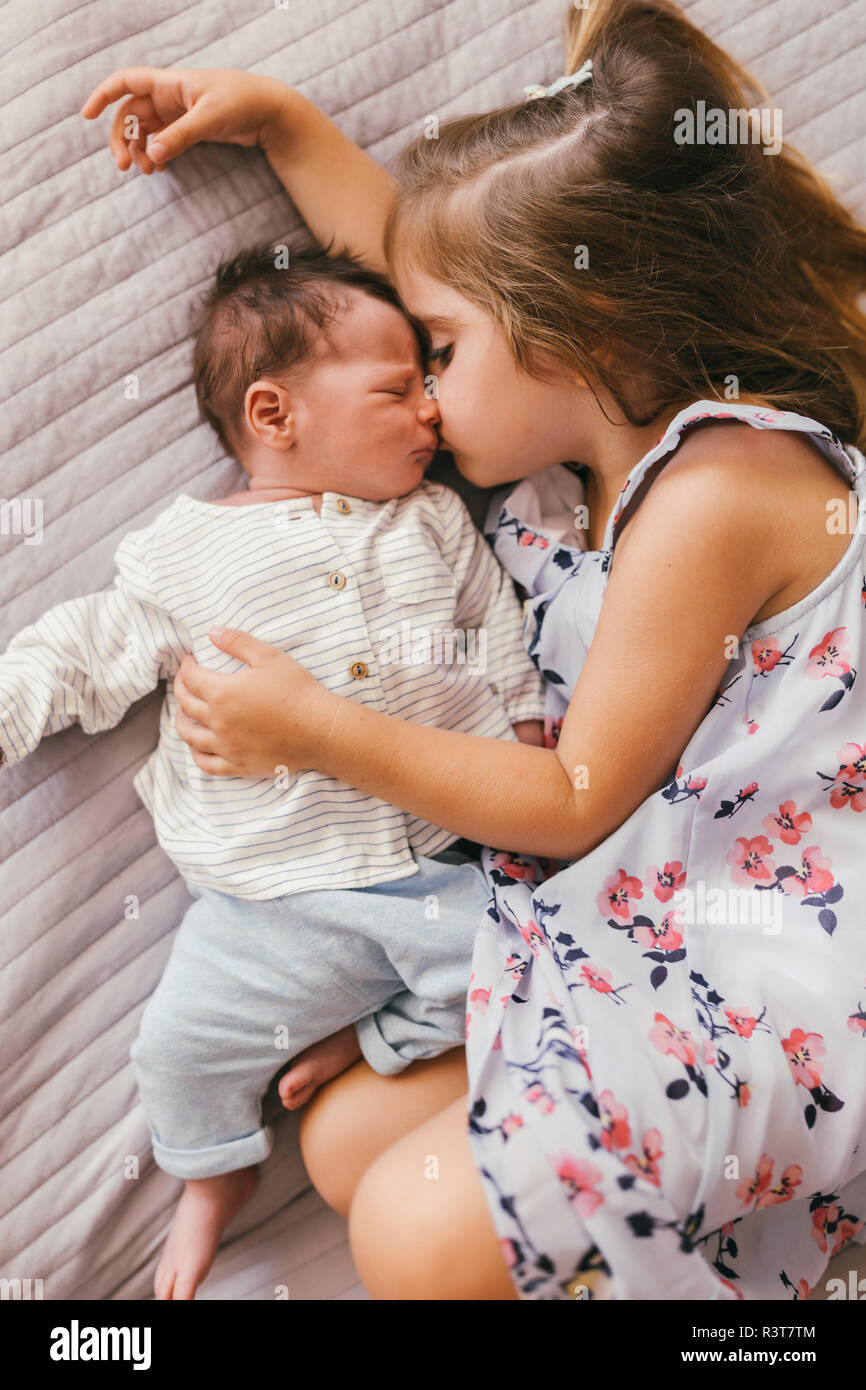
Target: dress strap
x=847 y=458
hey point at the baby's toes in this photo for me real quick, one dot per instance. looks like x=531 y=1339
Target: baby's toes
x=297 y=1085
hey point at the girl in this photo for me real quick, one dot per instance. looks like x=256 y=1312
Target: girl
x=666 y=1094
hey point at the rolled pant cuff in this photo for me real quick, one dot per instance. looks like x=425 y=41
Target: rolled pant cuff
x=380 y=1055
x=216 y=1158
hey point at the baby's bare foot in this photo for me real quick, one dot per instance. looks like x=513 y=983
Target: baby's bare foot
x=204 y=1210
x=318 y=1064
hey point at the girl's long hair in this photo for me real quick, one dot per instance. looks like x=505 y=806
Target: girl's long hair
x=659 y=270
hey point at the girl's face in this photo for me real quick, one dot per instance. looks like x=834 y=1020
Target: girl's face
x=499 y=423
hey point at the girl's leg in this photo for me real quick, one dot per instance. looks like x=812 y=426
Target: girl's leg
x=419 y=1225
x=354 y=1118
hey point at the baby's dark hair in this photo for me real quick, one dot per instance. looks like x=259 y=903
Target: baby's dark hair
x=260 y=316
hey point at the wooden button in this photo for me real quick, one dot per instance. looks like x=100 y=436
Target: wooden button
x=343 y=506
x=358 y=669
x=337 y=580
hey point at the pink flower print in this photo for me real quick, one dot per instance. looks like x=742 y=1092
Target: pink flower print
x=669 y=1039
x=664 y=936
x=533 y=938
x=579 y=1176
x=728 y=1285
x=514 y=966
x=784 y=1189
x=767 y=655
x=787 y=824
x=846 y=1231
x=514 y=866
x=510 y=1125
x=709 y=1053
x=541 y=1099
x=645 y=1164
x=751 y=863
x=532 y=538
x=846 y=793
x=821 y=1218
x=480 y=999
x=756 y=1186
x=620 y=892
x=695 y=784
x=813 y=875
x=751 y=726
x=615 y=1133
x=830 y=657
x=727 y=1229
x=852 y=761
x=857 y=1023
x=803 y=1050
x=803 y=1289
x=597 y=978
x=666 y=881
x=743 y=1094
x=741 y=1022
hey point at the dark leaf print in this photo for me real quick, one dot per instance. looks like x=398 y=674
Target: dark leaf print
x=677 y=1089
x=827 y=920
x=829 y=1102
x=553 y=677
x=564 y=559
x=625 y=1181
x=834 y=894
x=479 y=1107
x=641 y=1223
x=733 y=1248
x=698 y=979
x=658 y=976
x=725 y=809
x=832 y=701
x=564 y=939
x=809 y=1115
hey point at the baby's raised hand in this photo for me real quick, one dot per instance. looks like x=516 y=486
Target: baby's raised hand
x=183 y=106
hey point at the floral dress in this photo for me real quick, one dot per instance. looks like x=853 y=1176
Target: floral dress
x=666 y=1039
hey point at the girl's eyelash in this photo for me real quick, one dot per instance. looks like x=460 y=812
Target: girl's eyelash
x=438 y=354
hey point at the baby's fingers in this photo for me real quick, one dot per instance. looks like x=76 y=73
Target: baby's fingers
x=132 y=123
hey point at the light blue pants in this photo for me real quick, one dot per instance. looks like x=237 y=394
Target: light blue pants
x=250 y=984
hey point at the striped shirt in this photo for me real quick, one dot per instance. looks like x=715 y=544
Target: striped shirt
x=399 y=605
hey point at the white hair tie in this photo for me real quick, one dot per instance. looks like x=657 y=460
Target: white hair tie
x=574 y=80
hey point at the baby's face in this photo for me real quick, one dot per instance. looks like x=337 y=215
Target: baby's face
x=362 y=416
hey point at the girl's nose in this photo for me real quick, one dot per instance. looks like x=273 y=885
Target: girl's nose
x=429 y=409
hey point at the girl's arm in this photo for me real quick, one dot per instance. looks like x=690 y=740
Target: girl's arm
x=695 y=562
x=340 y=192
x=338 y=189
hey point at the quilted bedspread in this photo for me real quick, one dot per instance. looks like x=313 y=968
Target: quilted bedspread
x=99 y=433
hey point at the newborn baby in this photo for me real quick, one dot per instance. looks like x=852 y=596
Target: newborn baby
x=320 y=912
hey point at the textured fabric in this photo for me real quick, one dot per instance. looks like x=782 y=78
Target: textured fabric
x=100 y=429
x=250 y=985
x=666 y=1037
x=399 y=605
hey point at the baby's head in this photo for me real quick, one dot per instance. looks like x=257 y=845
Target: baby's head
x=311 y=374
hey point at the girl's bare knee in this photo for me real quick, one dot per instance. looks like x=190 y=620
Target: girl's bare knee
x=325 y=1146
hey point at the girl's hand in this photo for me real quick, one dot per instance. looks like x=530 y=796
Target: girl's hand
x=251 y=723
x=183 y=106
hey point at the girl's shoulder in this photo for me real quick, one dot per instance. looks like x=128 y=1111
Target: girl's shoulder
x=792 y=485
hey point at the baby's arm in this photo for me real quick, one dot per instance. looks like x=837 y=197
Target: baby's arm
x=88 y=659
